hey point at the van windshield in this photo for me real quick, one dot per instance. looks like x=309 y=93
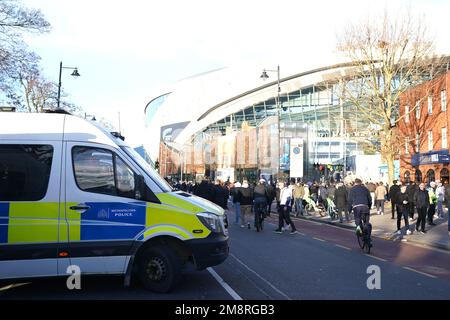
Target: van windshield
x=147 y=168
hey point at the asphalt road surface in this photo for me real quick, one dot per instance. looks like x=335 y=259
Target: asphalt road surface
x=320 y=262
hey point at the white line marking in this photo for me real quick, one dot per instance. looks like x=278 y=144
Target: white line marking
x=343 y=247
x=225 y=285
x=256 y=274
x=302 y=234
x=319 y=239
x=420 y=272
x=381 y=259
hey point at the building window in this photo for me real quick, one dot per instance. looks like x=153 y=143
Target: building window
x=418 y=176
x=430 y=140
x=407 y=176
x=430 y=176
x=430 y=105
x=407 y=114
x=444 y=175
x=444 y=138
x=418 y=142
x=417 y=110
x=444 y=100
x=407 y=145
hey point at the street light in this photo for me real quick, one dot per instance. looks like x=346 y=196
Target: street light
x=74 y=74
x=265 y=76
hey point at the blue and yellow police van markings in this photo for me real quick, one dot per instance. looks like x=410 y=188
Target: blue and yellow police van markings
x=4 y=216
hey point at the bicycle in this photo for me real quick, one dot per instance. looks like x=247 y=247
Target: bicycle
x=332 y=210
x=260 y=214
x=364 y=240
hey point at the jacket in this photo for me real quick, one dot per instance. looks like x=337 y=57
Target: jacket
x=245 y=196
x=299 y=192
x=393 y=193
x=421 y=199
x=411 y=190
x=340 y=197
x=359 y=194
x=260 y=192
x=400 y=201
x=380 y=193
x=432 y=196
x=285 y=197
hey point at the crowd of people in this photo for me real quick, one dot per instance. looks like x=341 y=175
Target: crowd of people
x=300 y=198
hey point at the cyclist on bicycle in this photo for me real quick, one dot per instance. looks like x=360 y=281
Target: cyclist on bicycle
x=359 y=200
x=261 y=198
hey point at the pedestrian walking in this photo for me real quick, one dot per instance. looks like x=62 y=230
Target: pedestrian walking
x=422 y=202
x=372 y=187
x=245 y=198
x=403 y=205
x=411 y=190
x=440 y=194
x=380 y=195
x=283 y=212
x=340 y=198
x=272 y=196
x=393 y=194
x=299 y=192
x=433 y=202
x=237 y=206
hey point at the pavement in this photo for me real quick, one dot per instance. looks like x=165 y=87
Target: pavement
x=384 y=227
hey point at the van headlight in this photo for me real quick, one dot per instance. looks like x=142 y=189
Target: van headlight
x=211 y=221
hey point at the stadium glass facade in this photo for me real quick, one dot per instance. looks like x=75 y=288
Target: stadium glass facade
x=247 y=143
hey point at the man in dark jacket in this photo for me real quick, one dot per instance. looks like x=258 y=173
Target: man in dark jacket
x=205 y=190
x=393 y=194
x=422 y=202
x=411 y=190
x=245 y=198
x=360 y=201
x=272 y=195
x=340 y=198
x=403 y=206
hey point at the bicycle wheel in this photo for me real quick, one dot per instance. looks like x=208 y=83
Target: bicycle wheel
x=361 y=241
x=261 y=224
x=367 y=244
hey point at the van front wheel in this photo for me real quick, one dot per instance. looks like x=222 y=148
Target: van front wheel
x=159 y=269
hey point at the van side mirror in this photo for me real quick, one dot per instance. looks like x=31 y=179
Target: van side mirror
x=143 y=192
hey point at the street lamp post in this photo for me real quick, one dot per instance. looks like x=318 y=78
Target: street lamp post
x=265 y=76
x=74 y=74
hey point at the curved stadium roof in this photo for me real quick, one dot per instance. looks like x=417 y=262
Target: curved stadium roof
x=206 y=98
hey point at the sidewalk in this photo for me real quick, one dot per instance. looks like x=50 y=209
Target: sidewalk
x=384 y=227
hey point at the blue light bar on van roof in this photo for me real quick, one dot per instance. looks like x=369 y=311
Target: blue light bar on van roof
x=118 y=135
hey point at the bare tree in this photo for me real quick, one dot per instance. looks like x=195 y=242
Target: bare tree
x=15 y=20
x=390 y=56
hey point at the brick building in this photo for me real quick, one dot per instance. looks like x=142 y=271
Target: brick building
x=424 y=131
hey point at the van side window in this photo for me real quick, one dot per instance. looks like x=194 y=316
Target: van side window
x=101 y=171
x=24 y=171
x=94 y=170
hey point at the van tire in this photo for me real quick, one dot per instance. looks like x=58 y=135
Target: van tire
x=159 y=269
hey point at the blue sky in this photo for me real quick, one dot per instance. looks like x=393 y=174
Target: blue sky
x=126 y=50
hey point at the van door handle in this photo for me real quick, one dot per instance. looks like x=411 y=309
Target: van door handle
x=80 y=207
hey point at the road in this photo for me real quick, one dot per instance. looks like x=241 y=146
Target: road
x=320 y=262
